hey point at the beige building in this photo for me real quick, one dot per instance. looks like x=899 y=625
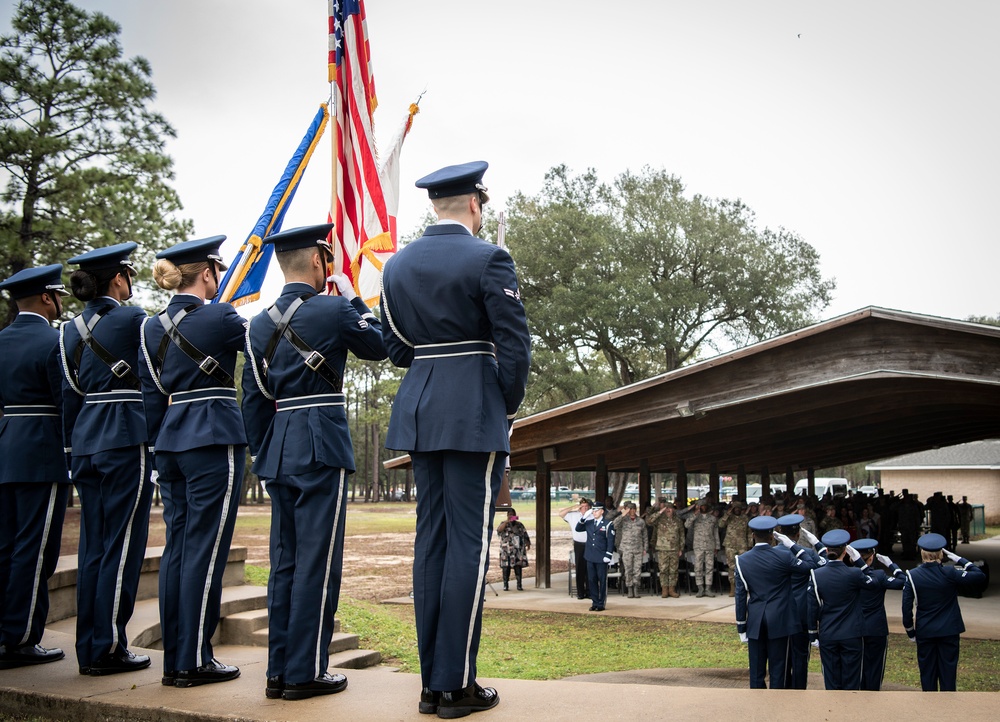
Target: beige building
x=971 y=470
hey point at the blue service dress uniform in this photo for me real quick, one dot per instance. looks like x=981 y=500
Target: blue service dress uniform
x=600 y=546
x=296 y=425
x=797 y=670
x=765 y=608
x=111 y=468
x=196 y=430
x=875 y=627
x=34 y=480
x=453 y=318
x=933 y=589
x=835 y=614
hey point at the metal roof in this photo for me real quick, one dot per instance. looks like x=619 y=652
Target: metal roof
x=974 y=455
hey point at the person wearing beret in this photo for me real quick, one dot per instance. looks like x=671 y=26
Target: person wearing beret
x=34 y=480
x=105 y=424
x=189 y=357
x=295 y=415
x=797 y=670
x=933 y=589
x=454 y=320
x=875 y=627
x=835 y=618
x=765 y=609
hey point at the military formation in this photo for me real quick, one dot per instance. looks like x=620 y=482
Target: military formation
x=115 y=395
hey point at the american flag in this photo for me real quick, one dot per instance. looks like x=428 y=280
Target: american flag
x=363 y=226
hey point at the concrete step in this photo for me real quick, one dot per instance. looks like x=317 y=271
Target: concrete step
x=355 y=659
x=249 y=627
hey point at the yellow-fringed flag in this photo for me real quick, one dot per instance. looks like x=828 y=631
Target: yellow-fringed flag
x=243 y=280
x=367 y=196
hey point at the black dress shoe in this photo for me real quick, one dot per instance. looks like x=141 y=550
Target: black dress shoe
x=168 y=679
x=118 y=662
x=275 y=686
x=464 y=702
x=214 y=671
x=428 y=701
x=324 y=684
x=593 y=607
x=85 y=670
x=28 y=654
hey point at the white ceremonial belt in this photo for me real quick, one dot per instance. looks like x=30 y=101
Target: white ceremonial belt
x=111 y=397
x=308 y=402
x=215 y=392
x=454 y=348
x=30 y=410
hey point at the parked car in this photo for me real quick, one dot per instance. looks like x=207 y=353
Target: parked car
x=868 y=490
x=837 y=486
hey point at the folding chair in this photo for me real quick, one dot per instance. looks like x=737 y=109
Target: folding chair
x=572 y=571
x=721 y=571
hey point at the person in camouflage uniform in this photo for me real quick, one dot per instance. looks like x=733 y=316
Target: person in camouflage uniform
x=514 y=546
x=706 y=543
x=669 y=545
x=630 y=533
x=737 y=540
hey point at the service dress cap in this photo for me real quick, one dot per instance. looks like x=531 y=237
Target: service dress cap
x=109 y=257
x=932 y=542
x=863 y=545
x=790 y=520
x=35 y=281
x=196 y=251
x=763 y=523
x=597 y=506
x=302 y=237
x=836 y=538
x=456 y=180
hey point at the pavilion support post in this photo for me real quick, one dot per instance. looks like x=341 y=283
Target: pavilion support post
x=644 y=486
x=543 y=524
x=741 y=482
x=789 y=479
x=713 y=480
x=811 y=476
x=681 y=493
x=765 y=482
x=601 y=480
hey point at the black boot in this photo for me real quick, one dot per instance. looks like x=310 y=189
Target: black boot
x=506 y=579
x=517 y=573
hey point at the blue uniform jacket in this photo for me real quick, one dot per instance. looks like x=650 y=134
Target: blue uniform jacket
x=835 y=600
x=311 y=437
x=800 y=586
x=764 y=589
x=31 y=444
x=447 y=287
x=932 y=589
x=97 y=424
x=873 y=600
x=182 y=424
x=600 y=539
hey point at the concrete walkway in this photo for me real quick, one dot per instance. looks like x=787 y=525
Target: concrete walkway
x=57 y=691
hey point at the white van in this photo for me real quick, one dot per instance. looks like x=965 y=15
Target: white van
x=754 y=492
x=835 y=485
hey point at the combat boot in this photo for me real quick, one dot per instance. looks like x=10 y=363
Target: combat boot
x=673 y=592
x=665 y=591
x=701 y=592
x=709 y=592
x=638 y=589
x=732 y=591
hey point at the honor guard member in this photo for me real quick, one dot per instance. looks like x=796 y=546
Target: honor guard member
x=875 y=627
x=835 y=611
x=111 y=465
x=454 y=320
x=189 y=357
x=797 y=671
x=933 y=589
x=600 y=547
x=34 y=482
x=295 y=414
x=764 y=605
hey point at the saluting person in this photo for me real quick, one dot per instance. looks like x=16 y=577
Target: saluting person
x=454 y=319
x=34 y=482
x=296 y=420
x=937 y=625
x=835 y=618
x=875 y=627
x=189 y=353
x=797 y=671
x=111 y=464
x=600 y=547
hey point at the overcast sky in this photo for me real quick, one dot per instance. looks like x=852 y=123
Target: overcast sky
x=868 y=128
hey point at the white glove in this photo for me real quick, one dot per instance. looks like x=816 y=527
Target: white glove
x=343 y=285
x=912 y=639
x=607 y=558
x=815 y=643
x=743 y=637
x=588 y=515
x=951 y=555
x=808 y=536
x=883 y=559
x=853 y=553
x=788 y=543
